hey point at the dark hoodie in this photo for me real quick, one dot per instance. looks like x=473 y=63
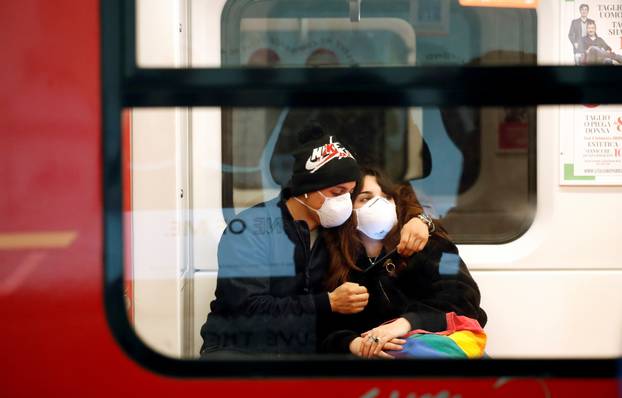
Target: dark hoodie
x=435 y=281
x=269 y=290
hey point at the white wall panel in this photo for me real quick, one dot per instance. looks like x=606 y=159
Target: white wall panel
x=206 y=138
x=161 y=251
x=156 y=228
x=552 y=314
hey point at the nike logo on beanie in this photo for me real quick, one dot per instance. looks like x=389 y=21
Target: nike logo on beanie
x=324 y=154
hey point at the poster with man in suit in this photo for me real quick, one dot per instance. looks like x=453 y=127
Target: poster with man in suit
x=578 y=30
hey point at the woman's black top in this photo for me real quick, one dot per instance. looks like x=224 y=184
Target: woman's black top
x=434 y=282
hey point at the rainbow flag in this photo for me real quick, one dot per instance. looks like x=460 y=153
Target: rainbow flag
x=463 y=338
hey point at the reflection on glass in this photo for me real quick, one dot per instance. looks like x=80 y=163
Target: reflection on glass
x=307 y=33
x=194 y=235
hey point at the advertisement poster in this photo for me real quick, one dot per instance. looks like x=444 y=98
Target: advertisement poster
x=591 y=135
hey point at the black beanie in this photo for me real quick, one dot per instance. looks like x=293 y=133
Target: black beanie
x=320 y=162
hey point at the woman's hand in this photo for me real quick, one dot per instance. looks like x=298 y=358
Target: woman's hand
x=375 y=340
x=413 y=237
x=359 y=344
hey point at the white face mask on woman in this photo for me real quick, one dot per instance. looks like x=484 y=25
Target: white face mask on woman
x=334 y=211
x=376 y=218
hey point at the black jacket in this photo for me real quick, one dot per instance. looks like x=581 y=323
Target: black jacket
x=269 y=290
x=434 y=282
x=587 y=42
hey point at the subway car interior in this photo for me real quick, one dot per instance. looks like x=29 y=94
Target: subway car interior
x=493 y=175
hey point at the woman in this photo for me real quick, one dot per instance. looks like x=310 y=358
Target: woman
x=414 y=292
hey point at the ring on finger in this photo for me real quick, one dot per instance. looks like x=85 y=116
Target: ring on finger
x=375 y=339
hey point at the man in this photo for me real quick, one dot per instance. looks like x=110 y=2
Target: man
x=578 y=30
x=596 y=49
x=272 y=261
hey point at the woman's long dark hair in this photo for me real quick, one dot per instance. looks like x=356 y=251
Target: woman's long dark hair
x=343 y=242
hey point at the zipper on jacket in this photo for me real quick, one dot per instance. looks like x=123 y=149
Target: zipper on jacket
x=306 y=253
x=305 y=245
x=383 y=292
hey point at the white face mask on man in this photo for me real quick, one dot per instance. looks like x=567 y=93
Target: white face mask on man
x=376 y=218
x=334 y=211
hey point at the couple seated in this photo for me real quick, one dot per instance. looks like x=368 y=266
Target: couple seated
x=304 y=273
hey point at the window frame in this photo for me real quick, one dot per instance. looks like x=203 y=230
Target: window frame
x=126 y=85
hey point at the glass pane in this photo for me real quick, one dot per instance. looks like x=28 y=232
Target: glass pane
x=191 y=174
x=194 y=175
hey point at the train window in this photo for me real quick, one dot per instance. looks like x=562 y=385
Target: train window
x=444 y=97
x=461 y=144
